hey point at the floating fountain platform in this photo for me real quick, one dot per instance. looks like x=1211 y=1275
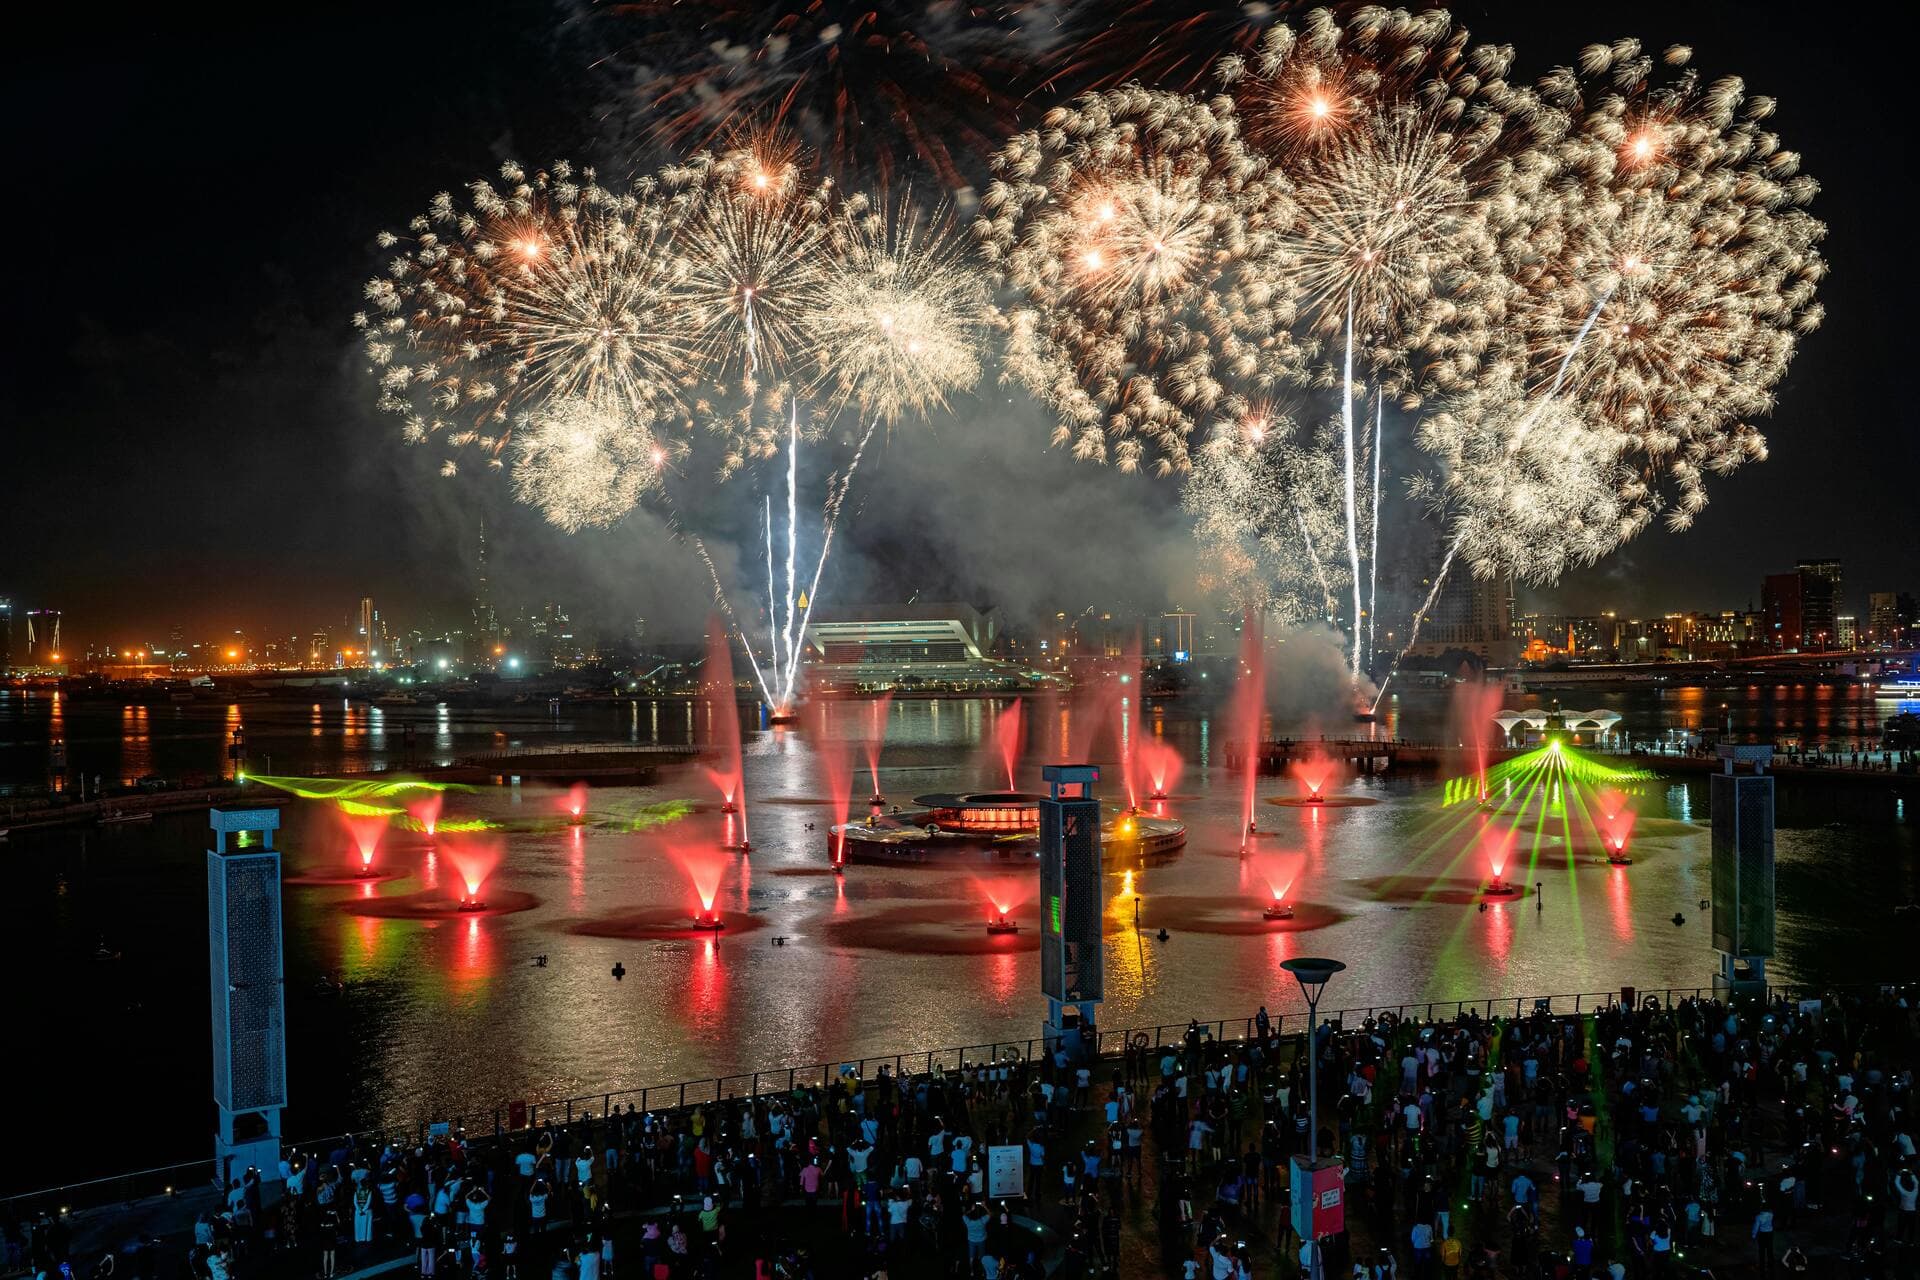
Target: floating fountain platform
x=1003 y=924
x=1278 y=911
x=1500 y=889
x=987 y=826
x=435 y=905
x=709 y=922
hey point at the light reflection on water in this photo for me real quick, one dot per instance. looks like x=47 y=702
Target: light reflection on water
x=447 y=1014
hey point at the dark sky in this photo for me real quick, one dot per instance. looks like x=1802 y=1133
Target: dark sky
x=188 y=434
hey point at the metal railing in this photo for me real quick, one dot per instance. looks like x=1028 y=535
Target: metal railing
x=517 y=1117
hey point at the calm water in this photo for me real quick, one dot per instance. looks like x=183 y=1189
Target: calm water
x=444 y=1015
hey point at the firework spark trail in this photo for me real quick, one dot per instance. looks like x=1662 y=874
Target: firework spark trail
x=1319 y=571
x=773 y=611
x=793 y=533
x=1420 y=616
x=832 y=519
x=1373 y=551
x=726 y=607
x=1353 y=534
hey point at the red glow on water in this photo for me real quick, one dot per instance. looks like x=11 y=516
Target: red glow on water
x=1008 y=730
x=704 y=872
x=426 y=810
x=364 y=831
x=577 y=799
x=474 y=859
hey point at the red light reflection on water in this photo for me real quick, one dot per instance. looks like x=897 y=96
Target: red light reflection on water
x=1003 y=971
x=1620 y=902
x=1499 y=934
x=706 y=985
x=577 y=863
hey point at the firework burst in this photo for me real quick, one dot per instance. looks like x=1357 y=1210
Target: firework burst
x=1143 y=240
x=551 y=289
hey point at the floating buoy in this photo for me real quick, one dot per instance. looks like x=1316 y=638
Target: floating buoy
x=619 y=971
x=1679 y=919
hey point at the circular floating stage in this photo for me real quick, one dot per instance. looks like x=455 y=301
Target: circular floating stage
x=990 y=827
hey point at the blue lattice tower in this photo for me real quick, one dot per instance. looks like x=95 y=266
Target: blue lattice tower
x=1072 y=974
x=1743 y=899
x=248 y=989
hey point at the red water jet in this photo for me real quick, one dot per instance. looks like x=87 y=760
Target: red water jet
x=474 y=859
x=1279 y=872
x=1615 y=818
x=1249 y=710
x=1475 y=704
x=837 y=764
x=1498 y=845
x=1160 y=764
x=364 y=831
x=1008 y=727
x=426 y=810
x=1003 y=895
x=704 y=872
x=1317 y=773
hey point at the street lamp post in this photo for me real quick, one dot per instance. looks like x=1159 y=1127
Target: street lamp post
x=1312 y=973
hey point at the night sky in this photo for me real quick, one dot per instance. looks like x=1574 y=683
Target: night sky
x=188 y=430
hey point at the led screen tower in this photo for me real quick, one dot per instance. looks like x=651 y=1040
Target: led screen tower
x=249 y=999
x=1071 y=972
x=1742 y=869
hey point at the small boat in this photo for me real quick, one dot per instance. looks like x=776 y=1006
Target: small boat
x=114 y=819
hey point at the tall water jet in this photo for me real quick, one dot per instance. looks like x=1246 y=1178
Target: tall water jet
x=1123 y=695
x=1475 y=704
x=873 y=740
x=1615 y=816
x=836 y=764
x=1008 y=729
x=1249 y=714
x=721 y=711
x=576 y=801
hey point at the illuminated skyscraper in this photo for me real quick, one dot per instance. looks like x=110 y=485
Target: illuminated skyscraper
x=1820 y=604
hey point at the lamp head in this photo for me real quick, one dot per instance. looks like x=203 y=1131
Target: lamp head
x=1312 y=973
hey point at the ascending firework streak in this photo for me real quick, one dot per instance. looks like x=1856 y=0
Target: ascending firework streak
x=1353 y=535
x=1373 y=549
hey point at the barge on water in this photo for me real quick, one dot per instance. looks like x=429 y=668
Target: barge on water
x=993 y=827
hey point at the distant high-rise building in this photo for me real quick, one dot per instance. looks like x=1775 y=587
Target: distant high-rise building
x=1846 y=630
x=485 y=623
x=1780 y=612
x=6 y=635
x=1820 y=604
x=1474 y=615
x=1883 y=618
x=367 y=641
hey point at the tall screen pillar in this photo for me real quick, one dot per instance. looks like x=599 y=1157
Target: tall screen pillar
x=1742 y=869
x=1072 y=976
x=249 y=998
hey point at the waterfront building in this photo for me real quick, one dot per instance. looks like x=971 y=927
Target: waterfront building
x=910 y=646
x=1780 y=612
x=1820 y=604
